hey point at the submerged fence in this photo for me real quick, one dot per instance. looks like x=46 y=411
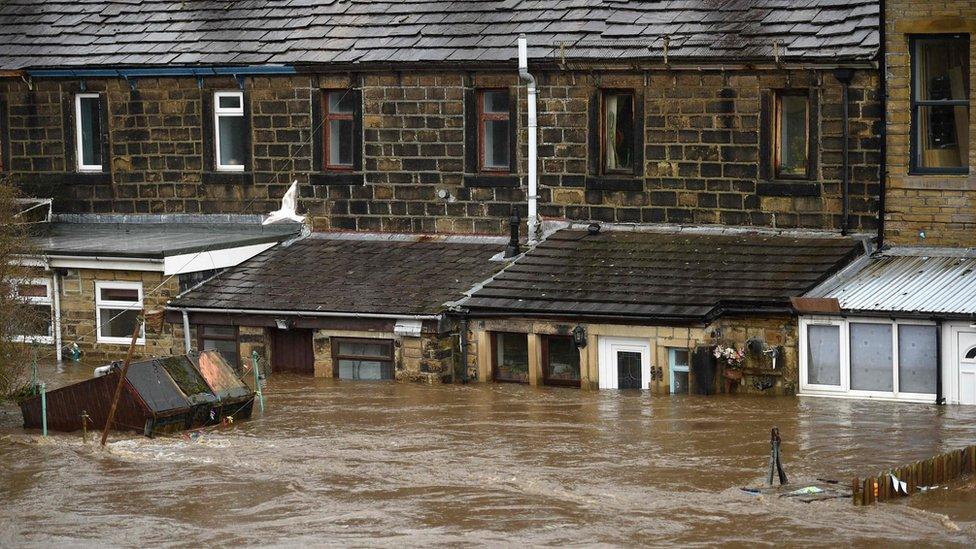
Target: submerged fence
x=915 y=477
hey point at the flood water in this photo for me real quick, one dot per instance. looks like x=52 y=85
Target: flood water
x=385 y=464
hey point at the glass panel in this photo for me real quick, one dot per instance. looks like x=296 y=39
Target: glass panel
x=340 y=142
x=341 y=102
x=229 y=102
x=943 y=136
x=917 y=359
x=971 y=354
x=679 y=358
x=232 y=133
x=942 y=69
x=512 y=357
x=355 y=348
x=91 y=131
x=496 y=144
x=32 y=290
x=118 y=326
x=629 y=370
x=495 y=101
x=823 y=355
x=679 y=383
x=793 y=136
x=38 y=322
x=226 y=348
x=120 y=294
x=228 y=331
x=564 y=360
x=365 y=369
x=871 y=357
x=618 y=128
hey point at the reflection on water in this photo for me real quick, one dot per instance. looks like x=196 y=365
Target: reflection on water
x=382 y=463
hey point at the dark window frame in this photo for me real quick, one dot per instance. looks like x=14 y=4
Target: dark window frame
x=777 y=130
x=601 y=135
x=326 y=133
x=492 y=116
x=494 y=358
x=544 y=344
x=336 y=356
x=915 y=104
x=236 y=338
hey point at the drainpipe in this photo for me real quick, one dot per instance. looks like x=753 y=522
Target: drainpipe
x=883 y=97
x=939 y=397
x=844 y=76
x=186 y=332
x=533 y=220
x=56 y=290
x=463 y=335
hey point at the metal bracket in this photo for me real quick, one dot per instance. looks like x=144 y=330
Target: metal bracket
x=84 y=85
x=240 y=81
x=130 y=81
x=29 y=81
x=200 y=81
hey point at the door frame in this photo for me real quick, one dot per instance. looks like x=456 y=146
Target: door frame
x=607 y=371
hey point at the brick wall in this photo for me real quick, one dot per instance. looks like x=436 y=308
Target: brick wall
x=702 y=153
x=941 y=206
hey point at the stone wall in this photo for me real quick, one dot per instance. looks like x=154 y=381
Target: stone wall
x=941 y=206
x=703 y=150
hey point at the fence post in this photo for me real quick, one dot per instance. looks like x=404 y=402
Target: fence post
x=43 y=408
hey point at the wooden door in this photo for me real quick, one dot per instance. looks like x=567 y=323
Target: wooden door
x=292 y=351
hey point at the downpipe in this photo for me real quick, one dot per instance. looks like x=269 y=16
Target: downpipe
x=525 y=76
x=844 y=76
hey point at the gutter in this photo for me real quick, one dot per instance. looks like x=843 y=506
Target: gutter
x=271 y=312
x=138 y=72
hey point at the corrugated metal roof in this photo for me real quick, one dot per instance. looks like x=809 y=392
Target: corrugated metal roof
x=910 y=284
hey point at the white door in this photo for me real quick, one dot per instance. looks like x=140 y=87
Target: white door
x=625 y=363
x=967 y=368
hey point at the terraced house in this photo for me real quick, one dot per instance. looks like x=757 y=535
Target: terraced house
x=649 y=180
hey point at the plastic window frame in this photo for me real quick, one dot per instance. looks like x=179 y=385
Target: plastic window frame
x=127 y=305
x=915 y=104
x=48 y=300
x=79 y=136
x=673 y=366
x=225 y=112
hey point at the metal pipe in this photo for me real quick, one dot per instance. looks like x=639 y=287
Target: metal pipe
x=883 y=97
x=525 y=76
x=844 y=76
x=43 y=390
x=257 y=381
x=186 y=332
x=939 y=396
x=302 y=313
x=463 y=335
x=56 y=289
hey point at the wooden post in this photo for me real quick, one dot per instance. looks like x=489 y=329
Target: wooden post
x=856 y=491
x=125 y=370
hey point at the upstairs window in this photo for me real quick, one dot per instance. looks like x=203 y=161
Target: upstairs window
x=229 y=131
x=494 y=145
x=88 y=132
x=791 y=144
x=338 y=108
x=617 y=133
x=940 y=104
x=117 y=308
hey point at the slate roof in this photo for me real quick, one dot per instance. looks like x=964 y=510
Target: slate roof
x=354 y=274
x=61 y=33
x=661 y=275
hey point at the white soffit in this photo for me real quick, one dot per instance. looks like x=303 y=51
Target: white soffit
x=407 y=327
x=216 y=259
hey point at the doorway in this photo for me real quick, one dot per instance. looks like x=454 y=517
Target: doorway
x=967 y=367
x=625 y=363
x=291 y=351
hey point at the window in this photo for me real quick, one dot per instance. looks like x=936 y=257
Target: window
x=229 y=131
x=617 y=133
x=791 y=130
x=823 y=355
x=510 y=356
x=88 y=131
x=494 y=145
x=117 y=309
x=871 y=356
x=940 y=104
x=917 y=359
x=39 y=321
x=560 y=361
x=678 y=366
x=362 y=359
x=222 y=339
x=338 y=109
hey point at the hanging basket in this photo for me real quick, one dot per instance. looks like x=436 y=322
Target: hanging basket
x=155 y=320
x=733 y=374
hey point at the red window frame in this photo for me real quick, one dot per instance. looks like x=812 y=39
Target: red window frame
x=327 y=137
x=484 y=117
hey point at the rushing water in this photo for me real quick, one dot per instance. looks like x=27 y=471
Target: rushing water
x=333 y=463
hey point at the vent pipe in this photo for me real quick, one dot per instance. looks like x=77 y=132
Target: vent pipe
x=533 y=221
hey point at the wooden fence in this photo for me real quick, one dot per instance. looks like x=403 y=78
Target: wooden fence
x=915 y=477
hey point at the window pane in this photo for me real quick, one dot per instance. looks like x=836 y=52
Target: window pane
x=341 y=102
x=943 y=136
x=227 y=349
x=942 y=69
x=917 y=359
x=823 y=355
x=120 y=294
x=39 y=321
x=618 y=136
x=629 y=370
x=231 y=130
x=496 y=144
x=118 y=326
x=228 y=331
x=564 y=360
x=495 y=101
x=679 y=357
x=32 y=290
x=871 y=357
x=353 y=348
x=679 y=383
x=91 y=131
x=365 y=369
x=340 y=142
x=229 y=102
x=793 y=136
x=512 y=357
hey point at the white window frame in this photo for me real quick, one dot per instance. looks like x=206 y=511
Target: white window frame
x=82 y=167
x=37 y=300
x=844 y=389
x=100 y=303
x=674 y=367
x=219 y=112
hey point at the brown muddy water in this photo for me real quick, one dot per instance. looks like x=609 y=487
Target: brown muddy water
x=384 y=464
